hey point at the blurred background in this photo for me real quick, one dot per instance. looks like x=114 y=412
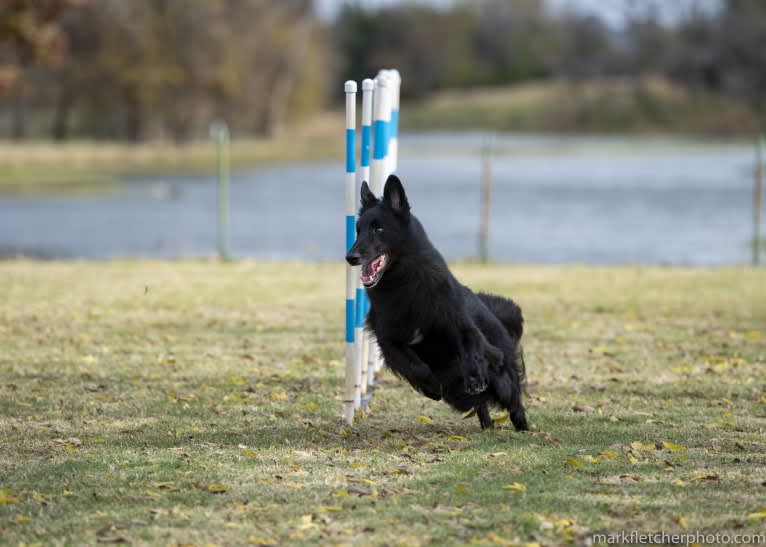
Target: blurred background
x=613 y=131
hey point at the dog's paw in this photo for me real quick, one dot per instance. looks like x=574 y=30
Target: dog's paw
x=432 y=390
x=475 y=378
x=475 y=385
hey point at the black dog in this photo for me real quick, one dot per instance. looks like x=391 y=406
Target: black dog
x=445 y=340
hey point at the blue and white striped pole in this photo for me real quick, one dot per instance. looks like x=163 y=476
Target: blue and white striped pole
x=393 y=134
x=381 y=119
x=378 y=173
x=362 y=337
x=351 y=392
x=368 y=88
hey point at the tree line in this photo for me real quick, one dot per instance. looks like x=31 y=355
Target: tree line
x=143 y=69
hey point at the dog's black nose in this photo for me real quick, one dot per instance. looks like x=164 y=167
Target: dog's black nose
x=354 y=258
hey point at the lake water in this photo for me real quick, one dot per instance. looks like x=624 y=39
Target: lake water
x=554 y=200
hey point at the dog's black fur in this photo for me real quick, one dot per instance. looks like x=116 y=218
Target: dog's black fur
x=446 y=341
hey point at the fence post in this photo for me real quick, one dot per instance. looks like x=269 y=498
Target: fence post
x=486 y=196
x=757 y=199
x=219 y=131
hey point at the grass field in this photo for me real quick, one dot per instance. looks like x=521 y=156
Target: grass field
x=601 y=106
x=198 y=403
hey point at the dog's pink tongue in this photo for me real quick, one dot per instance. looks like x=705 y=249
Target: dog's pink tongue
x=370 y=270
x=378 y=263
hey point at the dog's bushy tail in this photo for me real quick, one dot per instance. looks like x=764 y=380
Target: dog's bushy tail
x=509 y=314
x=507 y=311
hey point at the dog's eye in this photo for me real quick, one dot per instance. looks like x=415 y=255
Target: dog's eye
x=378 y=230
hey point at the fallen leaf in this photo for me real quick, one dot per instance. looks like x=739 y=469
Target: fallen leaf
x=583 y=408
x=4 y=498
x=515 y=487
x=250 y=453
x=70 y=442
x=461 y=488
x=306 y=522
x=573 y=462
x=758 y=515
x=425 y=420
x=261 y=540
x=217 y=488
x=563 y=522
x=673 y=447
x=39 y=498
x=681 y=521
x=21 y=519
x=495 y=539
x=457 y=438
x=165 y=486
x=501 y=419
x=706 y=477
x=359 y=491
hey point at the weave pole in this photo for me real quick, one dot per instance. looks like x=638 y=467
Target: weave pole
x=365 y=342
x=379 y=133
x=351 y=391
x=378 y=174
x=393 y=133
x=381 y=119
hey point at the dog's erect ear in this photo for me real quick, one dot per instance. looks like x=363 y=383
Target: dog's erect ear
x=394 y=196
x=368 y=198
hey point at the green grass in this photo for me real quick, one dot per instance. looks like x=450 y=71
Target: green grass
x=607 y=106
x=199 y=403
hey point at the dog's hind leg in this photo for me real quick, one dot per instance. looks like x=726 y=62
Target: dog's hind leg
x=478 y=358
x=484 y=417
x=508 y=394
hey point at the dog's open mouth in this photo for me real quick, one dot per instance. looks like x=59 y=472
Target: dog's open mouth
x=373 y=270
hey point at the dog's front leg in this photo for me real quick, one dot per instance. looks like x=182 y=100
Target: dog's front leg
x=405 y=362
x=477 y=357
